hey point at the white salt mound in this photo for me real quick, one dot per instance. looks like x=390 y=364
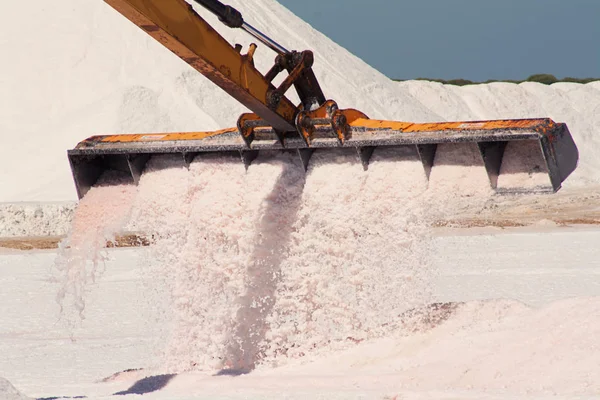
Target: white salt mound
x=498 y=346
x=9 y=392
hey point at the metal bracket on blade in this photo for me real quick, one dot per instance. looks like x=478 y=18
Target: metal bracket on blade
x=327 y=116
x=247 y=124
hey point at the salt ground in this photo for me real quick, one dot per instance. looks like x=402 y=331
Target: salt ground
x=101 y=75
x=540 y=343
x=155 y=309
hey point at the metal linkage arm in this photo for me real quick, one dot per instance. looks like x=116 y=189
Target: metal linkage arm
x=175 y=25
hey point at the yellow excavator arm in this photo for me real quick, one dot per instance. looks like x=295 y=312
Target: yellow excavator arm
x=316 y=123
x=175 y=25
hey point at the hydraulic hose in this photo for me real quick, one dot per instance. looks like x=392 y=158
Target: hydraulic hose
x=233 y=19
x=227 y=14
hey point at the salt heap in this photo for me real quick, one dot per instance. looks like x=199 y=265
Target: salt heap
x=498 y=349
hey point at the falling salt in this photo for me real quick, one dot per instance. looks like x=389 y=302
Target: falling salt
x=357 y=255
x=100 y=215
x=271 y=263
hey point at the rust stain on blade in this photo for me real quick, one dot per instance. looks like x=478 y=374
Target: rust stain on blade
x=379 y=124
x=478 y=125
x=152 y=137
x=543 y=126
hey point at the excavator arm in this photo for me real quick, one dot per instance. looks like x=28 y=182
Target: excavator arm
x=175 y=25
x=316 y=123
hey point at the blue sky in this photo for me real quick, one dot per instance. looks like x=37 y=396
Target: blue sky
x=471 y=39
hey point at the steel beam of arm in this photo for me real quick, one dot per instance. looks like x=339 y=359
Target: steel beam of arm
x=178 y=27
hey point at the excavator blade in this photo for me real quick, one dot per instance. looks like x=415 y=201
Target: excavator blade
x=519 y=156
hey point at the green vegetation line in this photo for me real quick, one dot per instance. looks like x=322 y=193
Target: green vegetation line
x=546 y=79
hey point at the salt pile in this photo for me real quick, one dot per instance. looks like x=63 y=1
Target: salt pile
x=484 y=348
